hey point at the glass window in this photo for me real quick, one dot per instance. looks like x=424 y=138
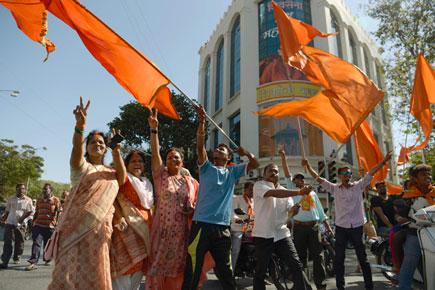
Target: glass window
x=219 y=77
x=276 y=132
x=336 y=40
x=235 y=133
x=207 y=85
x=235 y=58
x=366 y=62
x=353 y=53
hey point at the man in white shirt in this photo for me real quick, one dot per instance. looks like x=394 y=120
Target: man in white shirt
x=272 y=203
x=18 y=209
x=245 y=203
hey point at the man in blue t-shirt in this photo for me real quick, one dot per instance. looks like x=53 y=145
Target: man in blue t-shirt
x=211 y=221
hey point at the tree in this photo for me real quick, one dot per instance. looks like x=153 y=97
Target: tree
x=133 y=123
x=18 y=164
x=405 y=29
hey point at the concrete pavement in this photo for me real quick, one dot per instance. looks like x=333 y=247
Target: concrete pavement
x=16 y=278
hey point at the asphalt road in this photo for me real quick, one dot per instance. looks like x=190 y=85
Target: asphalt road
x=16 y=278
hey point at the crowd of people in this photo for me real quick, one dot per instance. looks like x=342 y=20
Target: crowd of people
x=116 y=226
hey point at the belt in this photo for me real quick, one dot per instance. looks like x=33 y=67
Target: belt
x=306 y=224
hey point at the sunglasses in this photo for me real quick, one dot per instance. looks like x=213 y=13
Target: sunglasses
x=345 y=173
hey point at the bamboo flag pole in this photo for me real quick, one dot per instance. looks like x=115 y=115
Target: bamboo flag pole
x=301 y=140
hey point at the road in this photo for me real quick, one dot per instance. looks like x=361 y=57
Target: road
x=16 y=278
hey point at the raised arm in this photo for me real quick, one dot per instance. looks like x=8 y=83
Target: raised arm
x=313 y=173
x=381 y=164
x=118 y=162
x=282 y=193
x=200 y=136
x=156 y=159
x=77 y=153
x=284 y=163
x=253 y=162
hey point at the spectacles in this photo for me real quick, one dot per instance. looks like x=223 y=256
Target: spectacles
x=345 y=173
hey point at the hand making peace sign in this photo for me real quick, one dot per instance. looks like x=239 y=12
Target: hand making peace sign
x=80 y=112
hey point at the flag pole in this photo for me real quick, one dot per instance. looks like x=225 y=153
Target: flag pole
x=206 y=115
x=301 y=140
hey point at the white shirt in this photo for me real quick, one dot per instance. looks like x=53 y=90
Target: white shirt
x=144 y=190
x=238 y=202
x=270 y=213
x=17 y=207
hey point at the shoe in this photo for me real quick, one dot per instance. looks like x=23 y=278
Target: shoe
x=31 y=267
x=321 y=287
x=17 y=261
x=3 y=266
x=47 y=263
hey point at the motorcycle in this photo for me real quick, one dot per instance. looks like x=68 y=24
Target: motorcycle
x=328 y=244
x=278 y=273
x=424 y=275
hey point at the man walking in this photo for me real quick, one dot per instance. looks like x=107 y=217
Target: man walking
x=18 y=208
x=349 y=217
x=211 y=221
x=272 y=204
x=306 y=230
x=45 y=220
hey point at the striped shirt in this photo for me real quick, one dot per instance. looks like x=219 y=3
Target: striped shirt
x=46 y=212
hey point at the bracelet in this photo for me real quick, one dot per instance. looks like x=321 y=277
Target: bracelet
x=79 y=130
x=153 y=131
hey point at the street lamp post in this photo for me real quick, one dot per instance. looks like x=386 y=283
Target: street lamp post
x=12 y=93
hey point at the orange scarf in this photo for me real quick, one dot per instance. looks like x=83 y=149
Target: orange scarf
x=414 y=192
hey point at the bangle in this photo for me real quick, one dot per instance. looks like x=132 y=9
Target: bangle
x=153 y=131
x=79 y=131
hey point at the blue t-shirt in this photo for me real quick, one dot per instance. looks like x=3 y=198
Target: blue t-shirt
x=215 y=196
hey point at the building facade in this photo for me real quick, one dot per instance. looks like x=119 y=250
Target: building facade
x=241 y=72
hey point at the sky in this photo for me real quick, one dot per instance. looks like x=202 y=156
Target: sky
x=169 y=32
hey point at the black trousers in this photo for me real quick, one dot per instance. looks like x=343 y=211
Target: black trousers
x=215 y=239
x=40 y=236
x=308 y=238
x=342 y=236
x=12 y=234
x=286 y=251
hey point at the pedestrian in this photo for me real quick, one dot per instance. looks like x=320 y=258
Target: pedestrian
x=130 y=244
x=421 y=193
x=245 y=202
x=382 y=205
x=85 y=227
x=272 y=206
x=349 y=217
x=45 y=220
x=18 y=208
x=175 y=199
x=211 y=221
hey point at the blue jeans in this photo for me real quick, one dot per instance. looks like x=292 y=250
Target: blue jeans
x=411 y=260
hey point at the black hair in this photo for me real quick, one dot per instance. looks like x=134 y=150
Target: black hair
x=179 y=150
x=267 y=167
x=130 y=155
x=415 y=170
x=49 y=185
x=230 y=151
x=247 y=184
x=19 y=184
x=88 y=139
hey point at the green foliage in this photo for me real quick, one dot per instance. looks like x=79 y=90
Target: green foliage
x=405 y=29
x=35 y=188
x=133 y=123
x=17 y=165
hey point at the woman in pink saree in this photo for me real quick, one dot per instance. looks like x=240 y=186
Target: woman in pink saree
x=175 y=199
x=85 y=228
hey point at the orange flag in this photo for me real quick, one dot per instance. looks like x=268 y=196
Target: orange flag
x=369 y=153
x=294 y=33
x=393 y=189
x=403 y=156
x=133 y=70
x=347 y=97
x=423 y=94
x=31 y=19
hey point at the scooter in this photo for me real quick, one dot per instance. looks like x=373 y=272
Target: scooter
x=425 y=220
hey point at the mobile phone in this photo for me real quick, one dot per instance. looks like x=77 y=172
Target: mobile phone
x=116 y=139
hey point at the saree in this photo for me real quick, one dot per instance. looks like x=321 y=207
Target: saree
x=85 y=229
x=130 y=248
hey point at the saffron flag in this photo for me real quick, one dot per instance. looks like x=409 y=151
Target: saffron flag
x=393 y=189
x=133 y=70
x=423 y=95
x=347 y=97
x=295 y=35
x=403 y=156
x=31 y=19
x=368 y=152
